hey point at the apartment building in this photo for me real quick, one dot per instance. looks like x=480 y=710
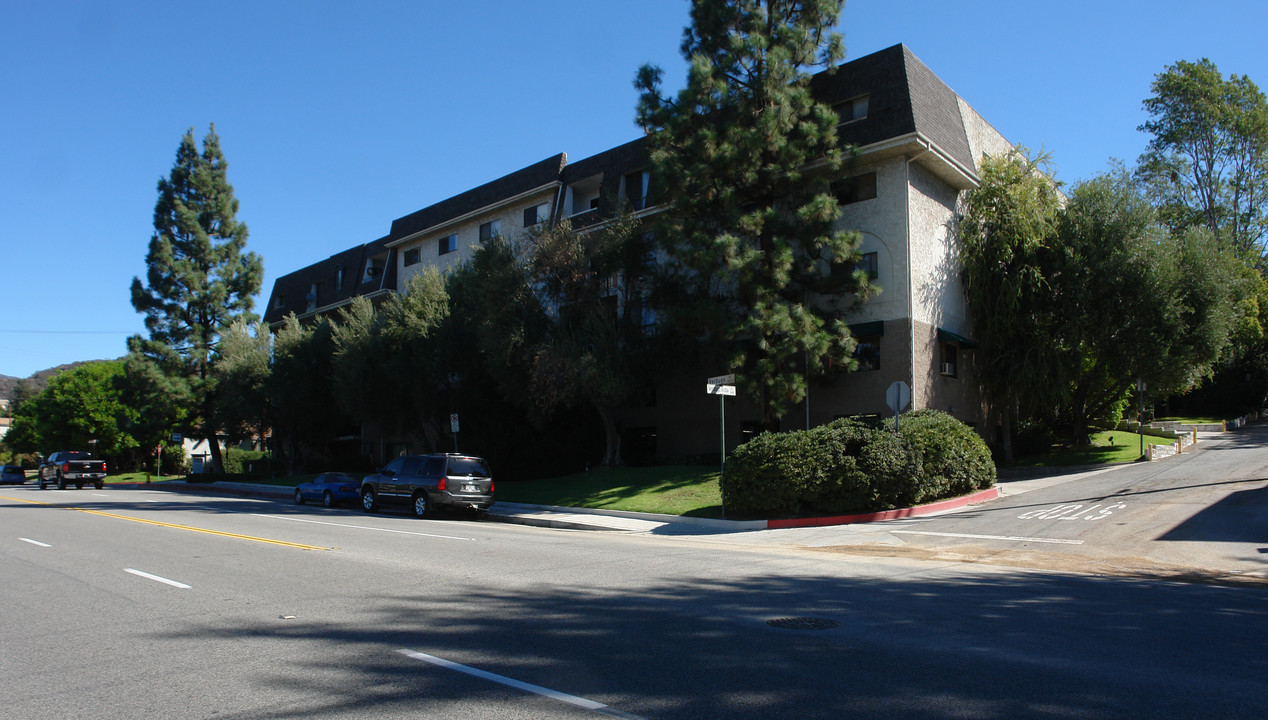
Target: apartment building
x=919 y=148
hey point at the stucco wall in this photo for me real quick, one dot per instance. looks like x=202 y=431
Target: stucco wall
x=511 y=217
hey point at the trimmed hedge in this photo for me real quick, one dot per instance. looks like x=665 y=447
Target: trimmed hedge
x=954 y=460
x=854 y=466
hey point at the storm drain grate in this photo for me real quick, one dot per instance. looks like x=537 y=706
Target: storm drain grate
x=802 y=623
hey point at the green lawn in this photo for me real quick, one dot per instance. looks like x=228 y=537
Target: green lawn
x=672 y=490
x=1111 y=446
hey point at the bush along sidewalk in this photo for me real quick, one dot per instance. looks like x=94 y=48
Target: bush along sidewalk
x=851 y=466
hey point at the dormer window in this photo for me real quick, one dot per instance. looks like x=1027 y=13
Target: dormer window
x=852 y=109
x=583 y=196
x=339 y=279
x=635 y=186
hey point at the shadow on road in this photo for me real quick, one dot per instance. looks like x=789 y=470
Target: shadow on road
x=1000 y=645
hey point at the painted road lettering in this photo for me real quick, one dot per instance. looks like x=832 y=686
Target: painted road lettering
x=1074 y=511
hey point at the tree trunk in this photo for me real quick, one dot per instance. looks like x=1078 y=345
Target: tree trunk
x=1006 y=421
x=217 y=457
x=612 y=436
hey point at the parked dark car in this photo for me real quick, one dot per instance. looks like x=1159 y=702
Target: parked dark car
x=427 y=482
x=332 y=488
x=72 y=467
x=13 y=474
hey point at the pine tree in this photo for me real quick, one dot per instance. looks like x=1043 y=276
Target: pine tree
x=199 y=280
x=743 y=155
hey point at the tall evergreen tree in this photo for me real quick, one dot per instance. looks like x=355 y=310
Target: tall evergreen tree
x=742 y=155
x=198 y=282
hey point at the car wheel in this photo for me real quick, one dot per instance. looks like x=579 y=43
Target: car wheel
x=299 y=497
x=61 y=483
x=42 y=483
x=99 y=485
x=369 y=503
x=421 y=505
x=327 y=499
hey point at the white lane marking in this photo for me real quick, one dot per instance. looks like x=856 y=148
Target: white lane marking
x=100 y=495
x=363 y=527
x=510 y=682
x=35 y=542
x=156 y=578
x=1014 y=538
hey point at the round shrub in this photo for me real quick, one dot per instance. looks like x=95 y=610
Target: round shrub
x=953 y=459
x=850 y=466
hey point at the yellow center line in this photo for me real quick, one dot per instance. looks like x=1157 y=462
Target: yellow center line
x=191 y=528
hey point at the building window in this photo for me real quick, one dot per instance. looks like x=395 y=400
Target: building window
x=313 y=291
x=536 y=214
x=448 y=244
x=491 y=229
x=280 y=301
x=950 y=357
x=338 y=279
x=852 y=109
x=868 y=264
x=855 y=189
x=636 y=186
x=412 y=256
x=867 y=352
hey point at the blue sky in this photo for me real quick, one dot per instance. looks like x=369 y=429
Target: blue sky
x=337 y=117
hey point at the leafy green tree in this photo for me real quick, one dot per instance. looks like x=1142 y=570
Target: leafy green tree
x=79 y=409
x=1006 y=236
x=385 y=362
x=1207 y=162
x=592 y=350
x=243 y=373
x=198 y=282
x=301 y=390
x=750 y=228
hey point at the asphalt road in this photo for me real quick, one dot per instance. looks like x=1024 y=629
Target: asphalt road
x=139 y=604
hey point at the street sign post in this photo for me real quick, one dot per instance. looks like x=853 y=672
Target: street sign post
x=453 y=427
x=722 y=386
x=897 y=397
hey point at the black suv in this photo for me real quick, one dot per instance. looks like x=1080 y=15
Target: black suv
x=425 y=482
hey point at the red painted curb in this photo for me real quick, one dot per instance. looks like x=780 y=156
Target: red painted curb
x=980 y=496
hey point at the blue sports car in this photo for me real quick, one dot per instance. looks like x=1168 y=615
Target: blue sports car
x=332 y=488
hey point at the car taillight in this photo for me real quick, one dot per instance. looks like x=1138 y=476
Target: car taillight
x=65 y=467
x=491 y=486
x=443 y=481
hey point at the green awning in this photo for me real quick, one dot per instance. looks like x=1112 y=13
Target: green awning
x=945 y=335
x=868 y=328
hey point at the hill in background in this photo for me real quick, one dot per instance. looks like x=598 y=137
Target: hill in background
x=36 y=381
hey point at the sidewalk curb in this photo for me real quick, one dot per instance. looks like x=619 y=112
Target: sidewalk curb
x=976 y=498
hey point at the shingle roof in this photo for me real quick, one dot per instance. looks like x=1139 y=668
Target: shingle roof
x=534 y=176
x=905 y=97
x=295 y=286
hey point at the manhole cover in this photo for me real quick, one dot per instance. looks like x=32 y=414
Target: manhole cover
x=802 y=623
